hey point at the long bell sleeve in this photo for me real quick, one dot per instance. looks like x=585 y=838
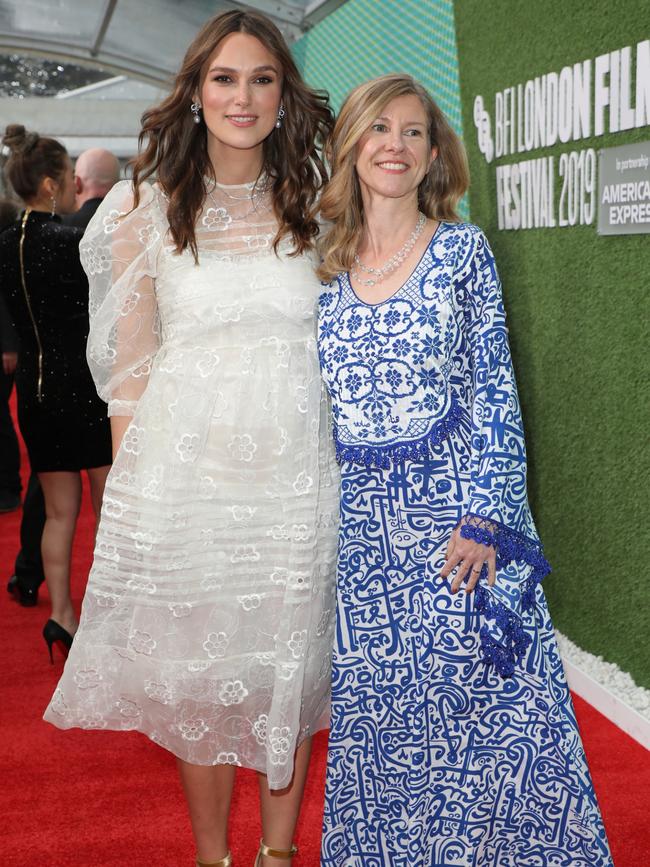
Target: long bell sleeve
x=119 y=253
x=498 y=512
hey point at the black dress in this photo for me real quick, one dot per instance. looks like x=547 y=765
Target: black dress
x=62 y=420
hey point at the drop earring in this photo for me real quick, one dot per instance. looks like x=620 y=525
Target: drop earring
x=281 y=114
x=53 y=211
x=195 y=108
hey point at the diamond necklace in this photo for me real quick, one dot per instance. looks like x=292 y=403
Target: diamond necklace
x=395 y=260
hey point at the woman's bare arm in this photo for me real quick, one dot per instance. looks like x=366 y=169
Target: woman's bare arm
x=119 y=424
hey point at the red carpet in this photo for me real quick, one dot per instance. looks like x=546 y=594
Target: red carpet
x=100 y=799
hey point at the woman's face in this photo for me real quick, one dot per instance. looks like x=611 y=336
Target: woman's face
x=240 y=95
x=395 y=154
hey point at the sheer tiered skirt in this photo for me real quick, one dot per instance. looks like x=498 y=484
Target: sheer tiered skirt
x=207 y=622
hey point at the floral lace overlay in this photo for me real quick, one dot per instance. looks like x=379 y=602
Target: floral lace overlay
x=207 y=623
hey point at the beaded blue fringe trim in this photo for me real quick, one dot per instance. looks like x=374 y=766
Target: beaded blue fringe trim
x=412 y=450
x=510 y=545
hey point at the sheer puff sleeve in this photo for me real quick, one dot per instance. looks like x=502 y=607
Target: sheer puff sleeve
x=119 y=252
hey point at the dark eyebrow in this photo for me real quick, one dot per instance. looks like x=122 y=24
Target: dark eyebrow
x=257 y=69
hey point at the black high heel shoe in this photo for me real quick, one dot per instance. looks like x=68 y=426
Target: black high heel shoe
x=53 y=632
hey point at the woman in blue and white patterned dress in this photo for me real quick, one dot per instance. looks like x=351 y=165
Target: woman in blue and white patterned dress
x=453 y=740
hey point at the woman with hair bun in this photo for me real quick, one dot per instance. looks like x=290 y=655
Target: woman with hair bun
x=207 y=622
x=62 y=421
x=453 y=740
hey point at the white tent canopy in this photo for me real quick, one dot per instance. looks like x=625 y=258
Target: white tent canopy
x=143 y=39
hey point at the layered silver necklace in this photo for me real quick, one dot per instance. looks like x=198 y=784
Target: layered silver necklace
x=393 y=263
x=254 y=196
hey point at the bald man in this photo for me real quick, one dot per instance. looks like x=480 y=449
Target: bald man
x=95 y=172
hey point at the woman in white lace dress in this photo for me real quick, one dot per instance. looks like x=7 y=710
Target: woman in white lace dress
x=207 y=621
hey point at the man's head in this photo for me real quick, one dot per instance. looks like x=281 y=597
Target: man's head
x=96 y=171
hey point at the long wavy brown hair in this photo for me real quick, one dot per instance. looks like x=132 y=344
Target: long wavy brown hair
x=341 y=204
x=174 y=148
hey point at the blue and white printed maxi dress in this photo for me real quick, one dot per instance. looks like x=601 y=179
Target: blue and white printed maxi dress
x=453 y=740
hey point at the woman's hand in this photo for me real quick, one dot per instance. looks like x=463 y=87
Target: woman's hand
x=469 y=557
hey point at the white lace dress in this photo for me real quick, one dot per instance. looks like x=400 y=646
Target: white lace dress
x=208 y=616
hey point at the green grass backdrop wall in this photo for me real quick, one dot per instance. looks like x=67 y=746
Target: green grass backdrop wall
x=577 y=305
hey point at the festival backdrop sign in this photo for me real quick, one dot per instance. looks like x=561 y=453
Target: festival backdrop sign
x=559 y=83
x=607 y=94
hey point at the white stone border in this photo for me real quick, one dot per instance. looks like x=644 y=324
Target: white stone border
x=606 y=687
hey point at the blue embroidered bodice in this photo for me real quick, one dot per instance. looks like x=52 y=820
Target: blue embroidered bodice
x=430 y=362
x=388 y=366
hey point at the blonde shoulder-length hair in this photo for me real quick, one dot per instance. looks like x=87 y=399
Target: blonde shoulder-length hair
x=341 y=203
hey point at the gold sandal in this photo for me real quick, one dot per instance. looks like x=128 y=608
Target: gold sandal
x=224 y=862
x=285 y=854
